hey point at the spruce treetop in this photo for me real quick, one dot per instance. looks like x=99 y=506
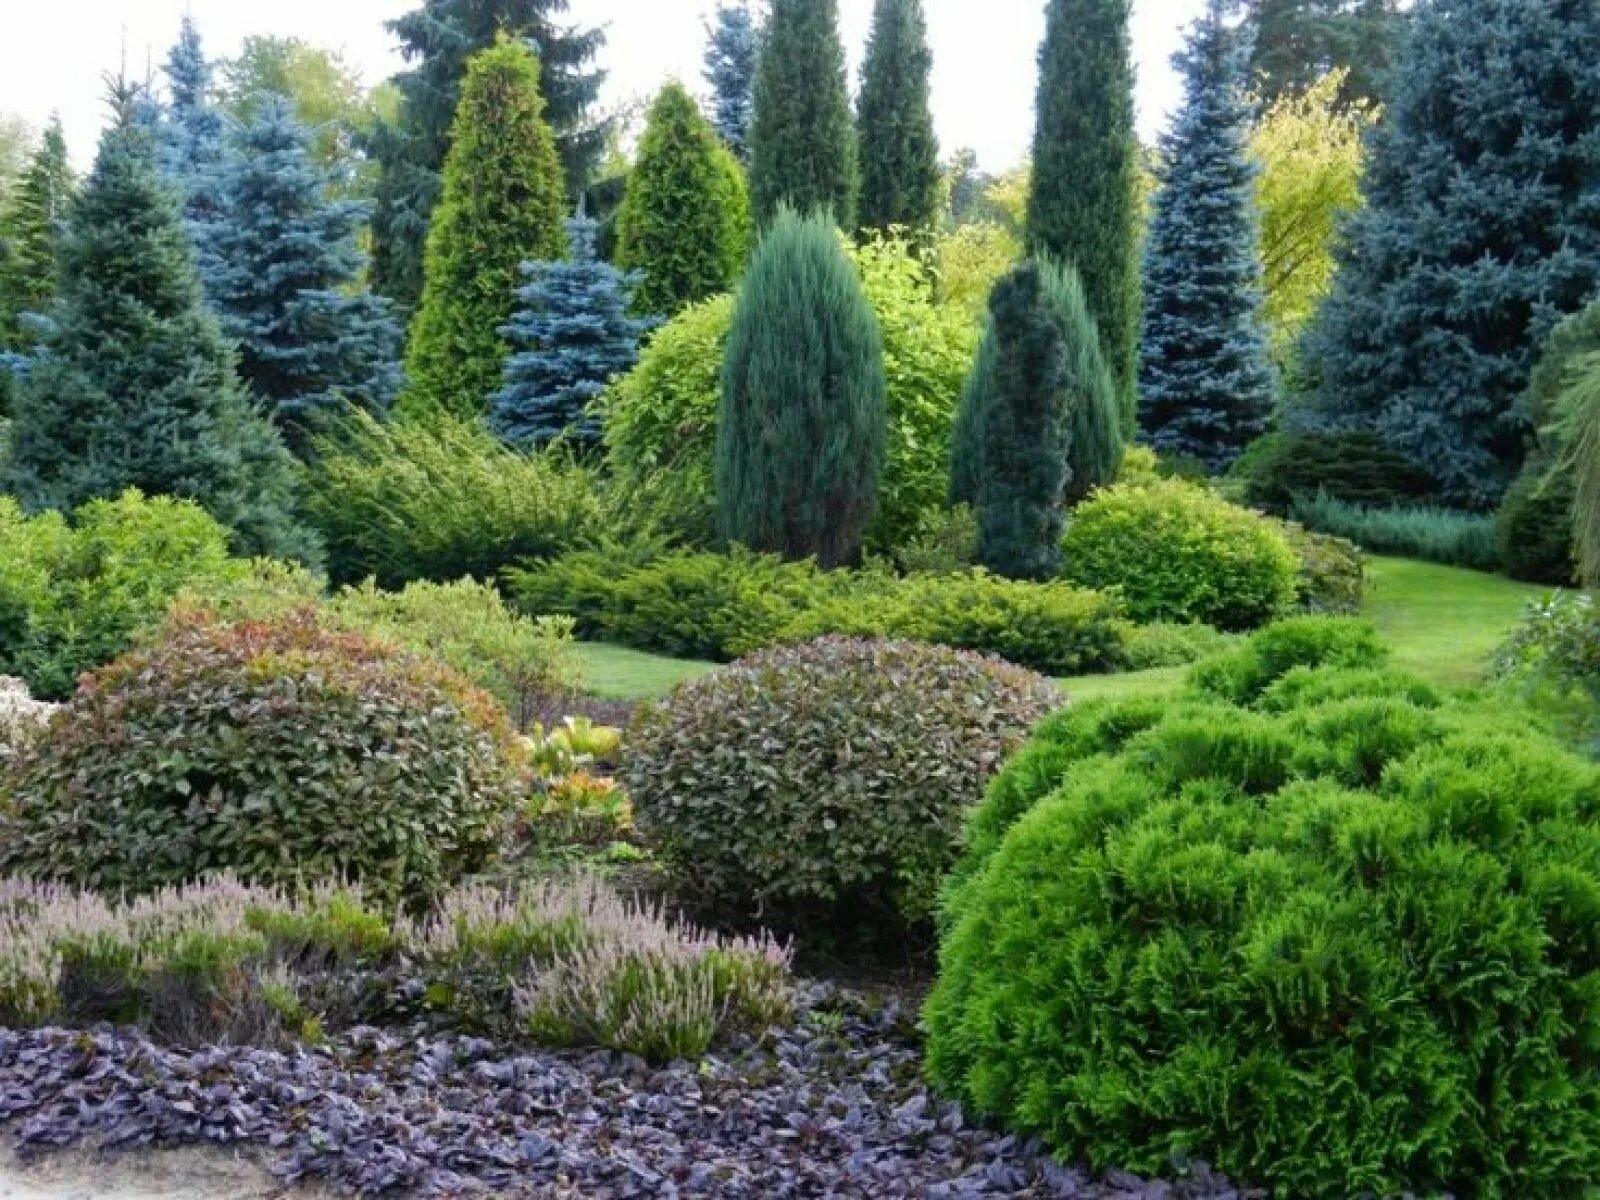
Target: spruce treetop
x=733 y=53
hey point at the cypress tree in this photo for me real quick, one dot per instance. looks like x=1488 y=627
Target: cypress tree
x=802 y=419
x=135 y=384
x=30 y=227
x=1083 y=208
x=1206 y=380
x=1022 y=429
x=899 y=149
x=287 y=260
x=571 y=337
x=802 y=146
x=683 y=221
x=1480 y=232
x=503 y=205
x=192 y=144
x=733 y=52
x=440 y=37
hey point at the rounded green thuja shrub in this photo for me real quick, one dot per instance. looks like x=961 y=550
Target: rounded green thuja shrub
x=282 y=751
x=1339 y=939
x=1178 y=552
x=826 y=783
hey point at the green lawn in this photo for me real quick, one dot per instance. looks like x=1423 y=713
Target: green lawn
x=1441 y=622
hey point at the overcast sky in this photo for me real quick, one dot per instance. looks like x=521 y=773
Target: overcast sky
x=53 y=53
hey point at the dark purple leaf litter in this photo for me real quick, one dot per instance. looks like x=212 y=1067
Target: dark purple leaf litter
x=831 y=1107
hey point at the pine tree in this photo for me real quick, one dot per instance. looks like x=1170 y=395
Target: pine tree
x=504 y=202
x=1481 y=231
x=287 y=260
x=683 y=221
x=802 y=422
x=1023 y=430
x=192 y=142
x=1206 y=380
x=30 y=227
x=439 y=38
x=571 y=337
x=802 y=145
x=135 y=384
x=1083 y=208
x=899 y=151
x=1297 y=42
x=733 y=52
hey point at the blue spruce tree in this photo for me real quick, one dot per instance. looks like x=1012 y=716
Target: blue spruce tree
x=191 y=141
x=572 y=335
x=732 y=55
x=285 y=261
x=1480 y=232
x=1206 y=384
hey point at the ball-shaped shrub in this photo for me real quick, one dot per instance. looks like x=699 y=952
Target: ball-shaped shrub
x=1339 y=943
x=1178 y=552
x=281 y=751
x=827 y=780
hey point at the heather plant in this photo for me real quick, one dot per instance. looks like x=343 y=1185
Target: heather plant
x=822 y=786
x=1293 y=911
x=1441 y=535
x=284 y=750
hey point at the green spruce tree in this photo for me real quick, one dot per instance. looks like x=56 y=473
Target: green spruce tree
x=684 y=221
x=1084 y=208
x=30 y=227
x=802 y=423
x=899 y=156
x=802 y=145
x=135 y=385
x=504 y=204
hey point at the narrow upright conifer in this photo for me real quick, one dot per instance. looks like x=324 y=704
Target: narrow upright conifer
x=899 y=151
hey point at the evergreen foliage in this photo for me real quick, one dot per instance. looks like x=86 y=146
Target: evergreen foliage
x=1022 y=429
x=286 y=261
x=899 y=151
x=192 y=144
x=1083 y=209
x=802 y=144
x=570 y=338
x=801 y=427
x=1297 y=42
x=439 y=38
x=135 y=384
x=30 y=227
x=684 y=223
x=1481 y=231
x=1206 y=382
x=733 y=55
x=503 y=205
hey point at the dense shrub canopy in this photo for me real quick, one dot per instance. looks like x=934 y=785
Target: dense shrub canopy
x=1257 y=932
x=1178 y=552
x=1357 y=468
x=282 y=751
x=829 y=779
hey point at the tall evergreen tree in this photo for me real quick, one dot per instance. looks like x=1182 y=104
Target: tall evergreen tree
x=802 y=144
x=683 y=223
x=439 y=38
x=193 y=142
x=504 y=204
x=287 y=261
x=30 y=228
x=733 y=52
x=899 y=151
x=803 y=417
x=1083 y=208
x=1206 y=380
x=1297 y=42
x=1481 y=231
x=571 y=337
x=135 y=384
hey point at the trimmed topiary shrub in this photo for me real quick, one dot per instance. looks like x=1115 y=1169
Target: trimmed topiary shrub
x=1357 y=468
x=823 y=786
x=1337 y=940
x=1180 y=553
x=283 y=751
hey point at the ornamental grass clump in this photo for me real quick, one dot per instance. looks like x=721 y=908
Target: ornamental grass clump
x=1307 y=920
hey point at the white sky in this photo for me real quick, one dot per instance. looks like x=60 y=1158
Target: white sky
x=54 y=53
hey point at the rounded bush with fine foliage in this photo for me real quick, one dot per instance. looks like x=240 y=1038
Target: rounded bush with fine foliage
x=282 y=751
x=1335 y=935
x=1357 y=468
x=1178 y=552
x=826 y=783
